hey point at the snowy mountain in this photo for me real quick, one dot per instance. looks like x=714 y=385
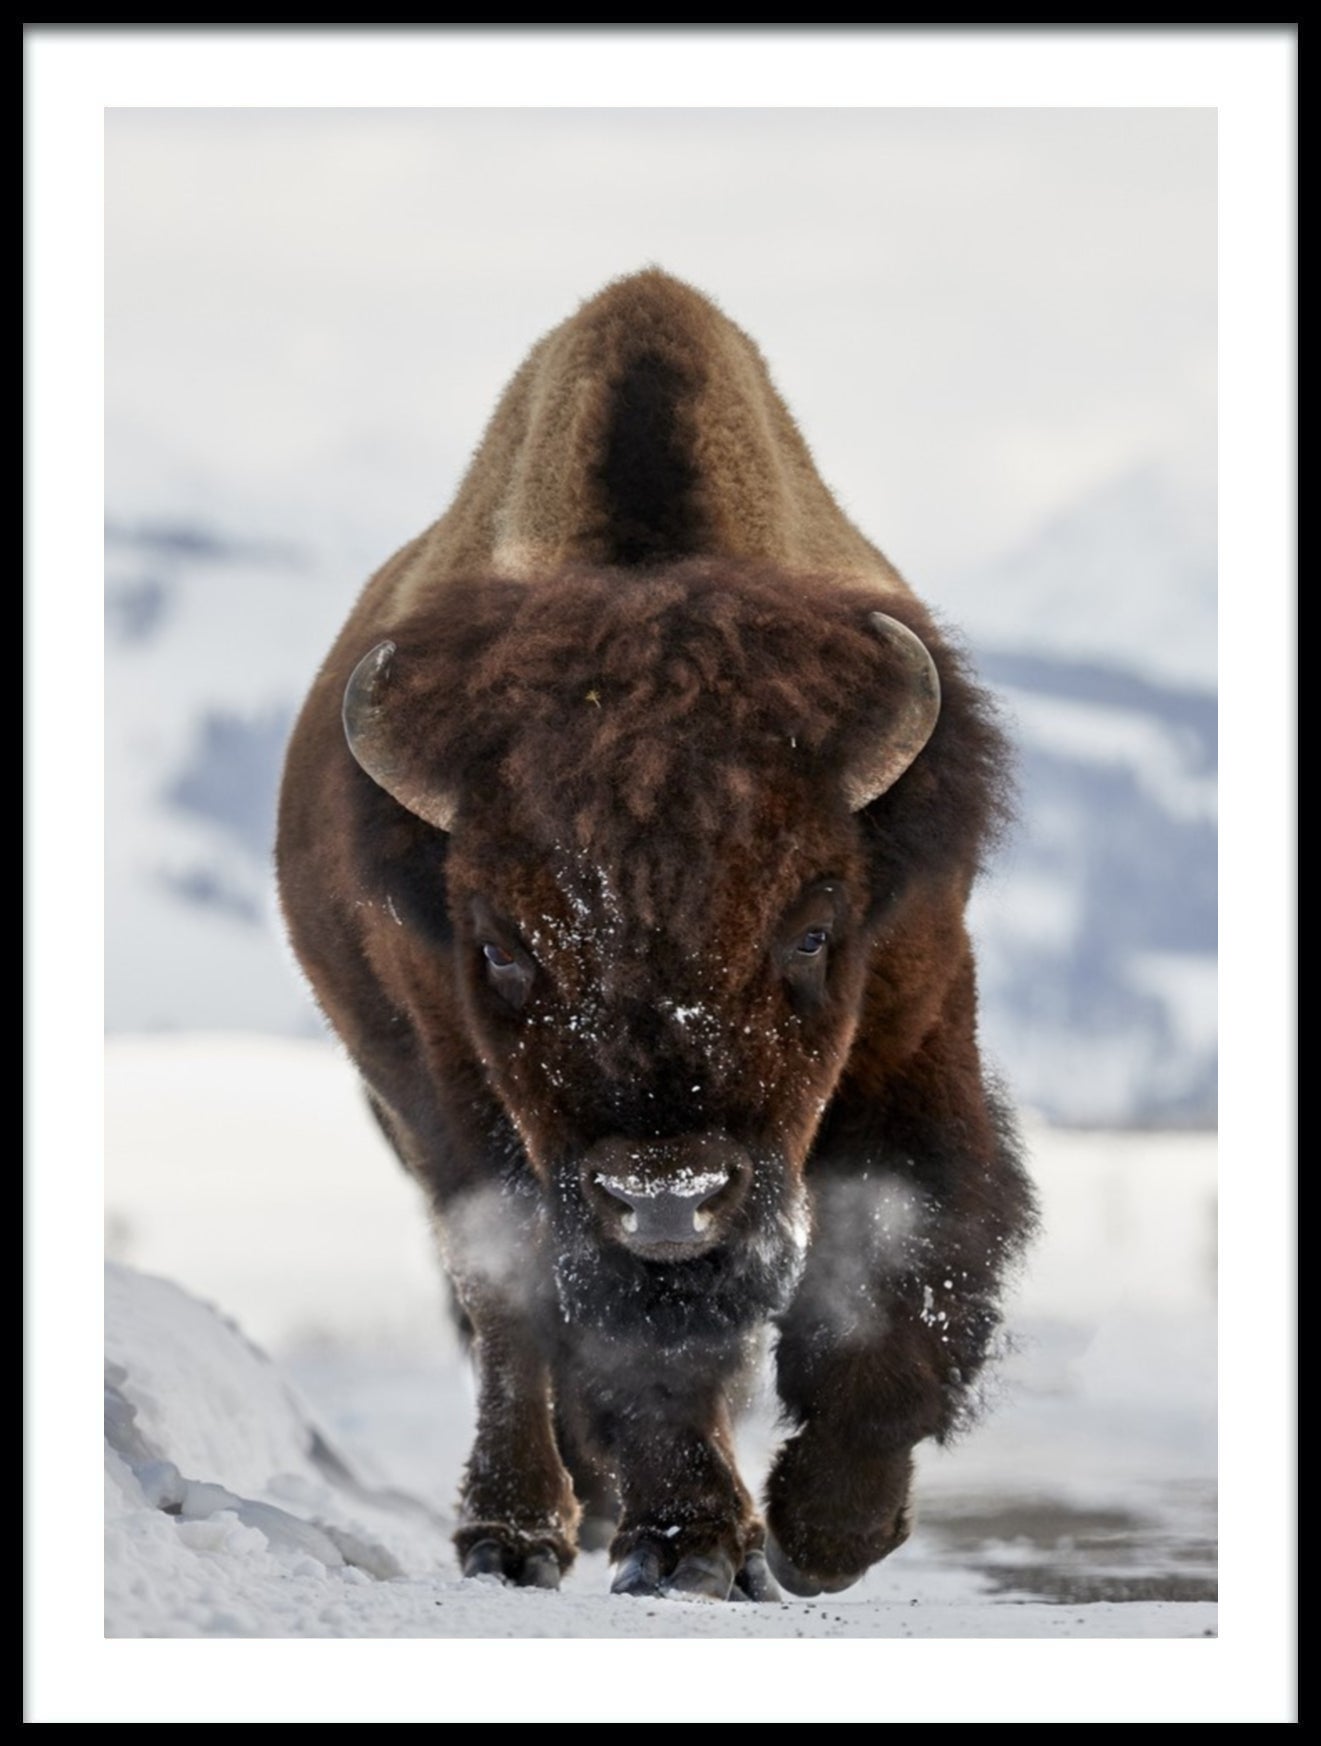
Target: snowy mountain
x=1124 y=579
x=1098 y=931
x=1097 y=928
x=1099 y=934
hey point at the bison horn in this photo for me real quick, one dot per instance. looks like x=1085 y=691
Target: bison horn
x=881 y=764
x=367 y=729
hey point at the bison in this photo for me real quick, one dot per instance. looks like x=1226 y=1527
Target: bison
x=625 y=838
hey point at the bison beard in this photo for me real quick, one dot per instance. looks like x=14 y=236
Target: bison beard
x=724 y=1293
x=625 y=837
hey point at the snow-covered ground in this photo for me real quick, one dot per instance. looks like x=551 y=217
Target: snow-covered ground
x=284 y=1464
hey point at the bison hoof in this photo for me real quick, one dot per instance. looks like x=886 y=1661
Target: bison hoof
x=640 y=1572
x=699 y=1577
x=696 y=1576
x=755 y=1582
x=798 y=1581
x=537 y=1568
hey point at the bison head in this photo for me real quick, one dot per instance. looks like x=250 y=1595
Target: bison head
x=651 y=808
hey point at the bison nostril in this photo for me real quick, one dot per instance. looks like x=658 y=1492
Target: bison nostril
x=671 y=1211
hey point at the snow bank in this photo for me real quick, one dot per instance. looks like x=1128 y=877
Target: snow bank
x=227 y=1513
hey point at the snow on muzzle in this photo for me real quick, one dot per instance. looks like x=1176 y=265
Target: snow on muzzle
x=667 y=1199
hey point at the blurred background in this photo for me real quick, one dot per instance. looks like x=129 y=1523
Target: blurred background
x=997 y=330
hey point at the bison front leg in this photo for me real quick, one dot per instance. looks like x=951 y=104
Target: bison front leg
x=687 y=1524
x=593 y=1479
x=838 y=1492
x=889 y=1328
x=518 y=1513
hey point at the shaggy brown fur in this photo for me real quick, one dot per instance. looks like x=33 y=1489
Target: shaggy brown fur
x=677 y=1043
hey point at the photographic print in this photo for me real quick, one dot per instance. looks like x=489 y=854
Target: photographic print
x=625 y=850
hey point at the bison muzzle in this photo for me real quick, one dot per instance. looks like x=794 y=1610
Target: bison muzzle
x=625 y=838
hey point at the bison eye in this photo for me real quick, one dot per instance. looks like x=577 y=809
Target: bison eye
x=509 y=973
x=803 y=966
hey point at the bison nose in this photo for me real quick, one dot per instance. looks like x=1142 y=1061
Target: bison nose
x=669 y=1216
x=667 y=1199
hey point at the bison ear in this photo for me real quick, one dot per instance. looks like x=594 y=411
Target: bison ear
x=880 y=763
x=381 y=748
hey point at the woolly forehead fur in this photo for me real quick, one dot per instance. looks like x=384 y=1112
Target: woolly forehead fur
x=661 y=720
